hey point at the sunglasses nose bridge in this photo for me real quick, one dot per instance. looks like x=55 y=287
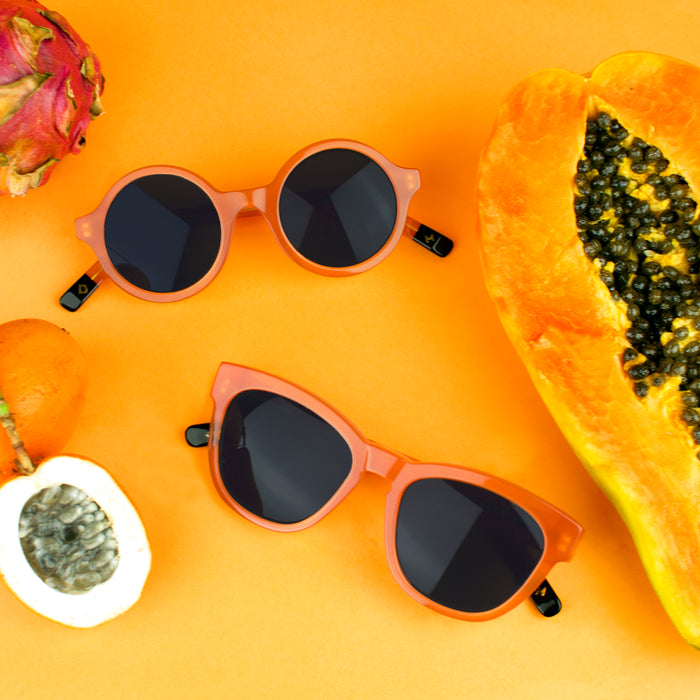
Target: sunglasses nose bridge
x=383 y=462
x=252 y=202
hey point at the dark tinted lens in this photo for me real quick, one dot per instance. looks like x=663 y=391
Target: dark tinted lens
x=338 y=208
x=162 y=233
x=464 y=547
x=279 y=460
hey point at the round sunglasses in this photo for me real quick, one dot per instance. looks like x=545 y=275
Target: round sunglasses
x=337 y=207
x=459 y=541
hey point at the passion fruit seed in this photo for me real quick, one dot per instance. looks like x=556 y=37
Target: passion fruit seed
x=67 y=539
x=637 y=221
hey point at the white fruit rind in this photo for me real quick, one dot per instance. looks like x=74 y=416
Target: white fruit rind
x=106 y=600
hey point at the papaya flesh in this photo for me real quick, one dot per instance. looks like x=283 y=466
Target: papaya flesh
x=590 y=239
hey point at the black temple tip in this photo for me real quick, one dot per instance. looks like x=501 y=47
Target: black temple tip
x=75 y=297
x=546 y=600
x=432 y=240
x=197 y=435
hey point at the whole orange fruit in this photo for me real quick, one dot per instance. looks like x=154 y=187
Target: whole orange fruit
x=42 y=379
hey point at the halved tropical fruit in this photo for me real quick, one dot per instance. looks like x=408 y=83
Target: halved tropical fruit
x=43 y=381
x=588 y=222
x=72 y=546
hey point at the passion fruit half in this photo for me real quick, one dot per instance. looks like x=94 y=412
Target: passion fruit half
x=72 y=546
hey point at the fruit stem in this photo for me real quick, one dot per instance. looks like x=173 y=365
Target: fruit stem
x=23 y=460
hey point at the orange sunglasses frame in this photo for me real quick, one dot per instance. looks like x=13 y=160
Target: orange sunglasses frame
x=561 y=532
x=257 y=201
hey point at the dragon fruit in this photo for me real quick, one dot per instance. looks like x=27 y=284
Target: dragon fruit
x=50 y=86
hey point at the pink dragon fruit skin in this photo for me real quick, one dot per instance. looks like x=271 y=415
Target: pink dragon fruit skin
x=50 y=87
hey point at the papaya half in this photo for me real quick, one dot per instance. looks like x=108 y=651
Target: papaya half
x=590 y=239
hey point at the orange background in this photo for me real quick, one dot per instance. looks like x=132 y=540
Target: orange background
x=412 y=352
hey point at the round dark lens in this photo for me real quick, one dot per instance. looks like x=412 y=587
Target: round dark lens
x=278 y=459
x=465 y=547
x=338 y=208
x=162 y=233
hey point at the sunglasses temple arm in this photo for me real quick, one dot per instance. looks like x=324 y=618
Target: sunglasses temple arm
x=546 y=600
x=75 y=297
x=429 y=238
